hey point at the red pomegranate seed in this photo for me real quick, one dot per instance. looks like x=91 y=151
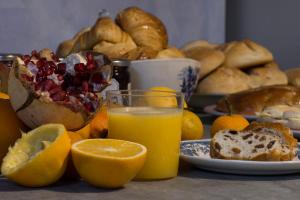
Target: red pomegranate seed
x=26 y=77
x=89 y=107
x=61 y=68
x=49 y=84
x=54 y=57
x=85 y=86
x=89 y=56
x=90 y=65
x=79 y=67
x=26 y=59
x=40 y=63
x=54 y=90
x=60 y=77
x=59 y=96
x=97 y=78
x=77 y=81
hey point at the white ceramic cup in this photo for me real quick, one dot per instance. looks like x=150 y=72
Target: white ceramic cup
x=172 y=72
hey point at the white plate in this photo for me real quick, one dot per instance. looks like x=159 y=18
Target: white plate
x=211 y=109
x=197 y=153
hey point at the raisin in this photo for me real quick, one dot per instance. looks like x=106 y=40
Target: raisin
x=245 y=137
x=262 y=138
x=250 y=142
x=259 y=146
x=271 y=144
x=233 y=132
x=256 y=136
x=254 y=151
x=236 y=150
x=217 y=146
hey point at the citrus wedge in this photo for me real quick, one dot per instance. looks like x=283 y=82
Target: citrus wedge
x=108 y=163
x=39 y=157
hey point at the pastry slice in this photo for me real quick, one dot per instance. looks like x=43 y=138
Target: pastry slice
x=267 y=144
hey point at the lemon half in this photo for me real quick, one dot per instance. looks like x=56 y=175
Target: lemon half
x=39 y=157
x=108 y=163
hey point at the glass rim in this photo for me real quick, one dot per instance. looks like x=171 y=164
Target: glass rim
x=141 y=92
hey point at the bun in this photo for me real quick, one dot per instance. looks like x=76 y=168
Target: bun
x=293 y=76
x=266 y=75
x=210 y=59
x=224 y=80
x=198 y=44
x=255 y=100
x=246 y=53
x=145 y=29
x=170 y=52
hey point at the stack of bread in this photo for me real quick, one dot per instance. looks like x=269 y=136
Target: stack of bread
x=234 y=66
x=134 y=34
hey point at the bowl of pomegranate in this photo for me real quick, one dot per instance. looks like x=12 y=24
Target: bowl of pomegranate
x=45 y=89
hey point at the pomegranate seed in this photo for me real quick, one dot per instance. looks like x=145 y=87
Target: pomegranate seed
x=97 y=78
x=89 y=107
x=48 y=85
x=59 y=96
x=79 y=67
x=54 y=90
x=54 y=57
x=40 y=63
x=35 y=54
x=61 y=68
x=89 y=56
x=85 y=86
x=77 y=81
x=90 y=65
x=60 y=77
x=26 y=59
x=26 y=77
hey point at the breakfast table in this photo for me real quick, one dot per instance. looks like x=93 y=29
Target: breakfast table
x=191 y=183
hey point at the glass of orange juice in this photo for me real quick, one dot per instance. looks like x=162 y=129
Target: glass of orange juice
x=151 y=118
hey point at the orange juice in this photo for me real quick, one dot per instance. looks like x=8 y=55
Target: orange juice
x=159 y=129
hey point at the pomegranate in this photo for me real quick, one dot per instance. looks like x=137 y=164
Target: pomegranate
x=45 y=90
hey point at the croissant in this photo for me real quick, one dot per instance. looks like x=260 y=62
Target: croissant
x=114 y=50
x=145 y=29
x=104 y=29
x=66 y=46
x=140 y=53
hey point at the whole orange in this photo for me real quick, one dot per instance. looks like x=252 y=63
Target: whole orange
x=10 y=125
x=225 y=122
x=71 y=173
x=99 y=125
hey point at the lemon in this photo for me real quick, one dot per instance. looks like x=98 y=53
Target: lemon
x=192 y=127
x=168 y=102
x=39 y=157
x=108 y=163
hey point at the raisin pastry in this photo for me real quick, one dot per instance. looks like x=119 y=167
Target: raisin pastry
x=265 y=144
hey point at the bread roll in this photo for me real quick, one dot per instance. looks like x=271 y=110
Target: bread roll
x=255 y=100
x=145 y=29
x=224 y=80
x=266 y=75
x=140 y=53
x=246 y=53
x=170 y=52
x=198 y=44
x=293 y=76
x=209 y=58
x=66 y=46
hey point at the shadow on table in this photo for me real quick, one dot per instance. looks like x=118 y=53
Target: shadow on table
x=61 y=186
x=187 y=170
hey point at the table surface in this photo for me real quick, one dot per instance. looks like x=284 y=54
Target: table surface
x=191 y=183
